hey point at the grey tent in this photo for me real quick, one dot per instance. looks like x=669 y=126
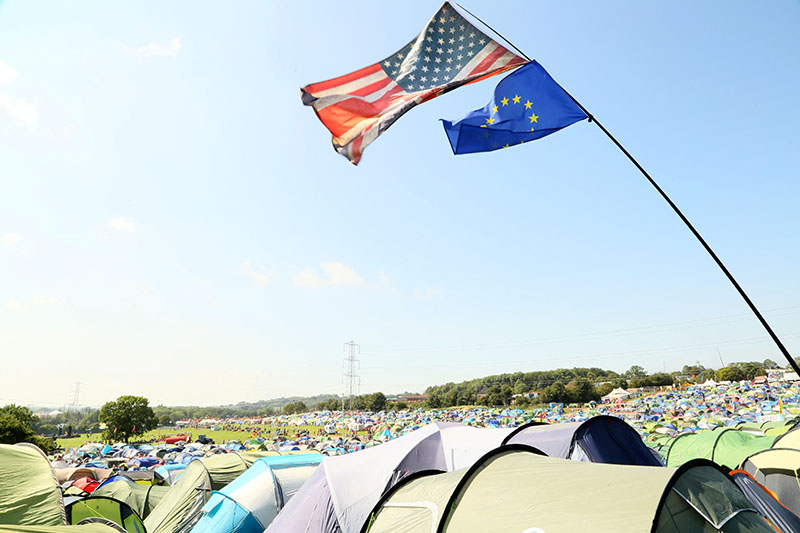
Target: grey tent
x=514 y=489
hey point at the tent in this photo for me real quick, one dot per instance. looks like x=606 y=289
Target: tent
x=601 y=439
x=141 y=498
x=617 y=394
x=726 y=446
x=87 y=528
x=777 y=469
x=72 y=473
x=170 y=472
x=766 y=502
x=29 y=491
x=791 y=439
x=251 y=502
x=191 y=491
x=109 y=508
x=340 y=493
x=513 y=488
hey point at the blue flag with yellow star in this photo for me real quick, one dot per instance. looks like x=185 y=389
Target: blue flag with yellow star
x=528 y=104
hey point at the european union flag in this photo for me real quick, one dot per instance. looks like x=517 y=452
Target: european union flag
x=528 y=104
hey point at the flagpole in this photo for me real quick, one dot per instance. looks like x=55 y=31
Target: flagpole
x=699 y=237
x=674 y=207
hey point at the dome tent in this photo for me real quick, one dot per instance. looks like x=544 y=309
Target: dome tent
x=192 y=490
x=511 y=489
x=141 y=498
x=120 y=513
x=251 y=502
x=600 y=439
x=766 y=502
x=778 y=470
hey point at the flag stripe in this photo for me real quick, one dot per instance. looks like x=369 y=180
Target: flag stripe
x=505 y=60
x=343 y=116
x=489 y=60
x=353 y=85
x=342 y=80
x=369 y=93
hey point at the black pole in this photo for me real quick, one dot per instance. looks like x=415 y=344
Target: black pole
x=674 y=207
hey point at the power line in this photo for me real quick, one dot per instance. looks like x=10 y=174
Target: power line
x=656 y=328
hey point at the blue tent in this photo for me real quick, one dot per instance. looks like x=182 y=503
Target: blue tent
x=250 y=502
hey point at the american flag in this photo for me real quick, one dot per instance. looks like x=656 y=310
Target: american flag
x=448 y=52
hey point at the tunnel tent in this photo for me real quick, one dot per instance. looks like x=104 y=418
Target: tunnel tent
x=29 y=491
x=765 y=501
x=512 y=489
x=193 y=488
x=141 y=498
x=790 y=439
x=727 y=447
x=778 y=470
x=83 y=528
x=118 y=512
x=600 y=439
x=251 y=502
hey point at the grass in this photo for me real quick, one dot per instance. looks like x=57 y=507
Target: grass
x=218 y=435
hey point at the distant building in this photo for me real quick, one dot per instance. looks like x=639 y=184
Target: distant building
x=413 y=398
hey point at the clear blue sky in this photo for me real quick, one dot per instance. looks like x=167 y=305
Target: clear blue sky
x=174 y=223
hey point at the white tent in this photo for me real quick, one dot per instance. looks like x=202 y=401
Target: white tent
x=617 y=394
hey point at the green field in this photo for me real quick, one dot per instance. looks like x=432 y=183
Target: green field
x=219 y=436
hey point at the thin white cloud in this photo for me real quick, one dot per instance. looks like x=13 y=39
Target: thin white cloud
x=151 y=50
x=10 y=239
x=147 y=289
x=122 y=224
x=18 y=109
x=258 y=275
x=7 y=73
x=334 y=274
x=13 y=304
x=15 y=107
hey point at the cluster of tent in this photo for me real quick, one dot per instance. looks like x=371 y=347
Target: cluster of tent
x=448 y=470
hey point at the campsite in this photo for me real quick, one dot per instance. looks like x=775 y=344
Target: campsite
x=704 y=456
x=456 y=266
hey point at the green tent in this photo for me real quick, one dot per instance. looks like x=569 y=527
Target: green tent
x=29 y=492
x=728 y=447
x=141 y=498
x=86 y=528
x=514 y=489
x=100 y=506
x=192 y=490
